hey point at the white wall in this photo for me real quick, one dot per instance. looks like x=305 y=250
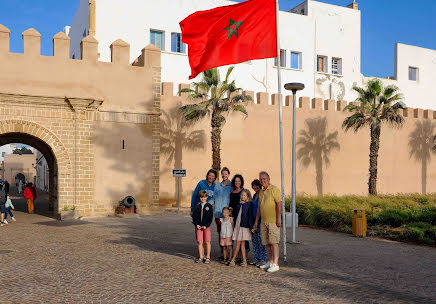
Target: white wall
x=328 y=30
x=78 y=28
x=420 y=93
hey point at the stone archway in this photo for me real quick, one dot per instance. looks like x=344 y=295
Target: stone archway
x=56 y=154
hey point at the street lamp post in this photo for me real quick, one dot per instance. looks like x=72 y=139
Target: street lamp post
x=294 y=87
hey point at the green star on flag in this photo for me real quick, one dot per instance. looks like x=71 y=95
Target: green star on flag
x=233 y=28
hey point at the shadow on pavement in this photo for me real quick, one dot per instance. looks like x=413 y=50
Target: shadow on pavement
x=62 y=223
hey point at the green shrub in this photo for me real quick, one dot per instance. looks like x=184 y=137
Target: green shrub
x=414 y=233
x=427 y=215
x=431 y=233
x=395 y=217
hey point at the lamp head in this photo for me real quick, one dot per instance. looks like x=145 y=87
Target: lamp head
x=294 y=87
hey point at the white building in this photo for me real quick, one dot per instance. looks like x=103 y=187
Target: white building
x=7 y=149
x=321 y=45
x=42 y=172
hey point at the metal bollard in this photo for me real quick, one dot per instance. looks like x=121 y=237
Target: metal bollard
x=359 y=223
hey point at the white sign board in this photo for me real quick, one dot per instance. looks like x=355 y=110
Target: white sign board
x=179 y=173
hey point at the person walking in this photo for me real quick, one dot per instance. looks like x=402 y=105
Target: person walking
x=259 y=249
x=270 y=205
x=30 y=194
x=2 y=204
x=222 y=199
x=20 y=186
x=9 y=207
x=207 y=185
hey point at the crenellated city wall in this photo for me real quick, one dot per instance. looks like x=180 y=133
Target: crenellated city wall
x=97 y=123
x=331 y=161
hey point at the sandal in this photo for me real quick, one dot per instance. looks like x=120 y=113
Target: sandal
x=198 y=260
x=207 y=261
x=231 y=264
x=243 y=263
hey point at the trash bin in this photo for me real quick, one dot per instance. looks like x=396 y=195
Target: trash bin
x=359 y=223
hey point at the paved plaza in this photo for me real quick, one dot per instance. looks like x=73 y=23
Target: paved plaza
x=150 y=260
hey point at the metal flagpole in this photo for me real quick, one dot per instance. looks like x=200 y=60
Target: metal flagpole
x=281 y=132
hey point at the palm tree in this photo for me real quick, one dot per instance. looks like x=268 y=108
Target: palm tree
x=316 y=146
x=422 y=143
x=378 y=104
x=216 y=98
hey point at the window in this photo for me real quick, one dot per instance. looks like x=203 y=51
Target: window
x=282 y=58
x=321 y=65
x=177 y=46
x=296 y=60
x=3 y=154
x=336 y=66
x=413 y=74
x=156 y=38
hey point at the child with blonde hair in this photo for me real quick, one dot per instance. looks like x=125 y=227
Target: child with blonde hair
x=226 y=234
x=243 y=226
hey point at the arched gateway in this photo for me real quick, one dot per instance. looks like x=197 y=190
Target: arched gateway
x=57 y=156
x=96 y=123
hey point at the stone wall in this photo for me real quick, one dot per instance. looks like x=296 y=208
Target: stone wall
x=337 y=162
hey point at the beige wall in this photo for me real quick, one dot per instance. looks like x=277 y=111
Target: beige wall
x=78 y=111
x=15 y=163
x=252 y=144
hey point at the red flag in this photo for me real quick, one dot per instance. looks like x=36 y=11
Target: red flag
x=230 y=34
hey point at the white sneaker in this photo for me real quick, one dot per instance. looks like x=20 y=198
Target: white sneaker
x=13 y=218
x=265 y=266
x=273 y=268
x=6 y=222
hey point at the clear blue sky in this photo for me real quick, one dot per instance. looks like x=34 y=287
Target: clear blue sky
x=383 y=24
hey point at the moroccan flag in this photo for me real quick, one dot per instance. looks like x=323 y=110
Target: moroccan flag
x=230 y=34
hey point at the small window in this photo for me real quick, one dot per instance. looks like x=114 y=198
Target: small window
x=296 y=60
x=282 y=59
x=156 y=38
x=177 y=46
x=321 y=65
x=336 y=66
x=413 y=74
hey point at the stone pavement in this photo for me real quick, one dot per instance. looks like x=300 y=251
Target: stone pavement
x=150 y=260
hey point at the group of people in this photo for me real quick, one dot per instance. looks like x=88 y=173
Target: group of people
x=239 y=218
x=6 y=205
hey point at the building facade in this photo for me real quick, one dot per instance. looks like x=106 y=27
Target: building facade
x=96 y=123
x=18 y=167
x=321 y=47
x=42 y=172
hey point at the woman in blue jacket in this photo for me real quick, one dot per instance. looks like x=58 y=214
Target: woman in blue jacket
x=207 y=185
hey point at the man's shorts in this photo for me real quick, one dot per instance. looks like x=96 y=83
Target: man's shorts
x=270 y=233
x=2 y=209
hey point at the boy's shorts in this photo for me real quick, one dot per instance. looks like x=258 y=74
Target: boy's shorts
x=270 y=233
x=203 y=236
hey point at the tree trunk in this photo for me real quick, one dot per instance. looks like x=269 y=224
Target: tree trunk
x=216 y=124
x=424 y=175
x=373 y=156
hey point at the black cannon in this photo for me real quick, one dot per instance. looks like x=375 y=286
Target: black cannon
x=128 y=202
